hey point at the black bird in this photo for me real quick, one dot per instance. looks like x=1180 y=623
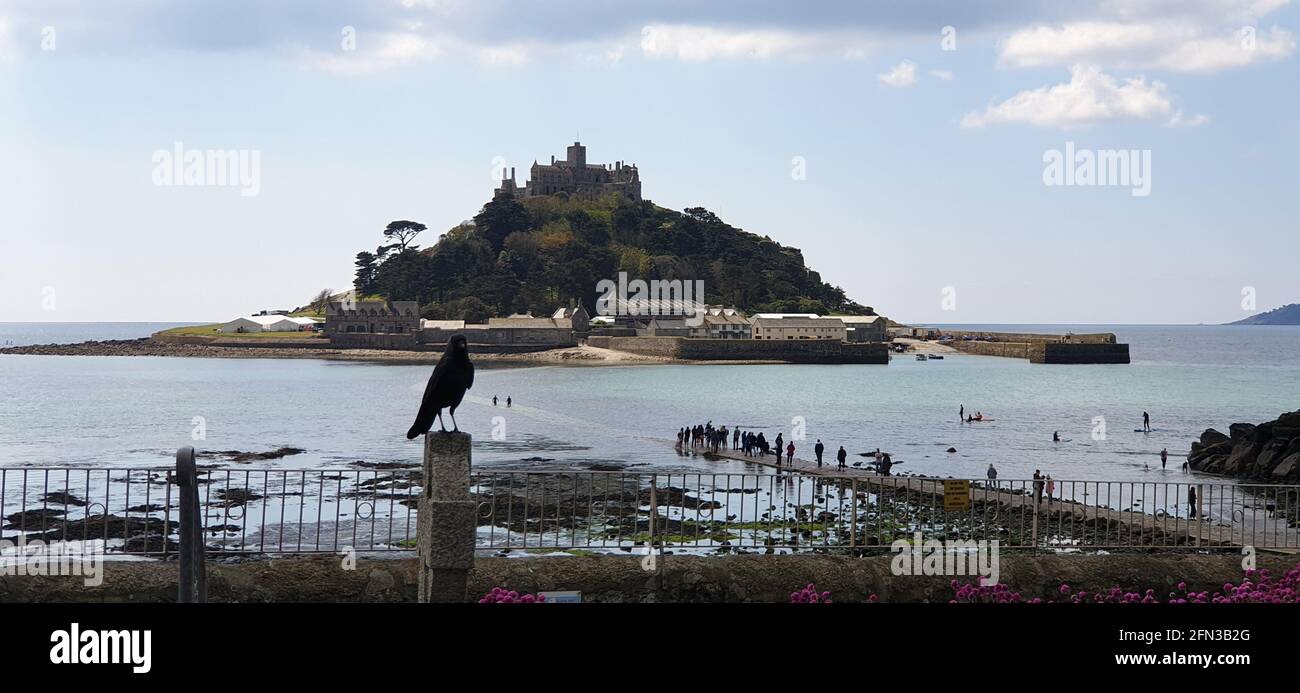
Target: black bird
x=453 y=375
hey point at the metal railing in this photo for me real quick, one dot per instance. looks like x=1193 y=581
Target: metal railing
x=719 y=513
x=241 y=511
x=265 y=511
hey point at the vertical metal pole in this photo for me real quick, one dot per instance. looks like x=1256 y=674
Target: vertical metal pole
x=193 y=571
x=654 y=513
x=1199 y=514
x=853 y=516
x=186 y=479
x=1034 y=528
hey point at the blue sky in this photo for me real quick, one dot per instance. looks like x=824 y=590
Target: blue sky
x=924 y=166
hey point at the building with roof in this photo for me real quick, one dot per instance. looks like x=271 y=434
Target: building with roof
x=779 y=316
x=266 y=323
x=574 y=176
x=442 y=324
x=720 y=322
x=799 y=328
x=578 y=317
x=864 y=328
x=372 y=317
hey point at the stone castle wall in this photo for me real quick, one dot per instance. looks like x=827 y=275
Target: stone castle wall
x=792 y=351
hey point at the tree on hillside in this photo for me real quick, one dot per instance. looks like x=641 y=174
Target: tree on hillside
x=407 y=276
x=319 y=301
x=402 y=233
x=500 y=218
x=470 y=309
x=365 y=276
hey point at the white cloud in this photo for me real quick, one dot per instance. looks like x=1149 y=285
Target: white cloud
x=695 y=43
x=1178 y=121
x=7 y=51
x=902 y=75
x=1090 y=97
x=389 y=51
x=944 y=75
x=1176 y=45
x=504 y=55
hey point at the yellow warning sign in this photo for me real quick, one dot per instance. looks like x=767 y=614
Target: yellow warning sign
x=956 y=495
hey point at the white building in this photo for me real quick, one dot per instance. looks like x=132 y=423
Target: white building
x=268 y=323
x=778 y=316
x=799 y=328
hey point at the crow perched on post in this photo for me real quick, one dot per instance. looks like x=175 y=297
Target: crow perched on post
x=453 y=375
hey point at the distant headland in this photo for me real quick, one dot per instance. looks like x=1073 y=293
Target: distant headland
x=1286 y=315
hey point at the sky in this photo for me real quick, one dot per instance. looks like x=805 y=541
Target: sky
x=932 y=158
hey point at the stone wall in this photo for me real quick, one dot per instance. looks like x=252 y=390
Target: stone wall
x=1069 y=352
x=1018 y=350
x=503 y=336
x=373 y=340
x=791 y=351
x=1089 y=338
x=750 y=578
x=313 y=342
x=1047 y=352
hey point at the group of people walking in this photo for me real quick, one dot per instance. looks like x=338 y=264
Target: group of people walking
x=755 y=444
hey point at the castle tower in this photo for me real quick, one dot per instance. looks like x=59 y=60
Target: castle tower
x=577 y=156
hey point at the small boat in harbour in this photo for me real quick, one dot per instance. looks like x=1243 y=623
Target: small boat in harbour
x=935 y=357
x=921 y=357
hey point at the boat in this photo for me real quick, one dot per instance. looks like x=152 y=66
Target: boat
x=935 y=357
x=921 y=357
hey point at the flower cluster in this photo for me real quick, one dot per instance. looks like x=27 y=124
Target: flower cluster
x=810 y=595
x=1256 y=587
x=972 y=593
x=500 y=595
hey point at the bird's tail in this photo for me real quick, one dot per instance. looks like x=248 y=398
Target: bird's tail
x=423 y=422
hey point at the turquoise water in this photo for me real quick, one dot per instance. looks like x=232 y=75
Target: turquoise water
x=98 y=411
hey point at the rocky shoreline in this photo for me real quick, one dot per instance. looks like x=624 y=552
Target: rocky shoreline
x=581 y=355
x=1269 y=451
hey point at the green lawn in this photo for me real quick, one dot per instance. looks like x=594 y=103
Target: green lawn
x=211 y=331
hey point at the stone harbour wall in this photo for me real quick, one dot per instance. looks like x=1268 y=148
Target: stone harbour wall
x=1063 y=352
x=790 y=351
x=1048 y=352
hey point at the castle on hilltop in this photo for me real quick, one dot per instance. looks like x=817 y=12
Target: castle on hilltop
x=574 y=176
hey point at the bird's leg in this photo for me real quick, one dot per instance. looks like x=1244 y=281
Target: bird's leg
x=440 y=423
x=454 y=427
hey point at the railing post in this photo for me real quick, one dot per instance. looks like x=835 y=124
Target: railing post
x=193 y=570
x=1034 y=525
x=853 y=516
x=447 y=520
x=1200 y=514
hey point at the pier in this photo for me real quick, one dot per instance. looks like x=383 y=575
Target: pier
x=1131 y=513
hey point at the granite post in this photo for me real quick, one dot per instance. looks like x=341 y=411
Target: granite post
x=445 y=532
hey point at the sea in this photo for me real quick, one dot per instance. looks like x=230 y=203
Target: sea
x=100 y=411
